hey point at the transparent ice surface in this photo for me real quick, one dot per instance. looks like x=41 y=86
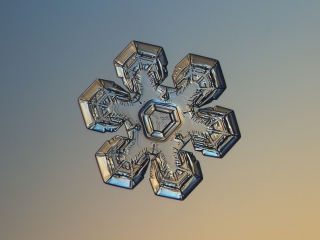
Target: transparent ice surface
x=159 y=120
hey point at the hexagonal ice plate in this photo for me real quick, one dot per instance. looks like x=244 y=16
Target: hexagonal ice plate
x=155 y=112
x=155 y=122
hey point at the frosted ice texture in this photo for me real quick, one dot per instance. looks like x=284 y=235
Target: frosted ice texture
x=159 y=120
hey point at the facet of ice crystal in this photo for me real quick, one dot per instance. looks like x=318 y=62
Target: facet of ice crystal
x=139 y=56
x=222 y=131
x=206 y=72
x=114 y=167
x=95 y=105
x=159 y=121
x=180 y=183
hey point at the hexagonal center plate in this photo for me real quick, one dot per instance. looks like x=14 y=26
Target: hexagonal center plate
x=159 y=119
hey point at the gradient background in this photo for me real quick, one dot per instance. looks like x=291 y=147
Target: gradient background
x=266 y=187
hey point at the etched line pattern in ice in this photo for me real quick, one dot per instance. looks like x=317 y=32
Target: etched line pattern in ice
x=159 y=121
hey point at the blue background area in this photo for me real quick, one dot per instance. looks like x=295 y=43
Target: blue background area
x=266 y=187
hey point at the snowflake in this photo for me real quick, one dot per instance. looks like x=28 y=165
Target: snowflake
x=159 y=121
